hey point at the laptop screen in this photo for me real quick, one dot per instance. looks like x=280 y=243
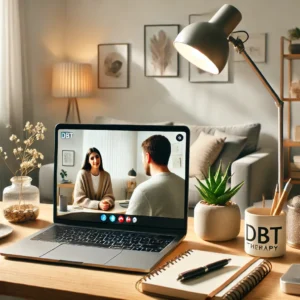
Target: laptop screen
x=121 y=175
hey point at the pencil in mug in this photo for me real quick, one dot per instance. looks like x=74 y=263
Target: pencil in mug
x=275 y=200
x=283 y=198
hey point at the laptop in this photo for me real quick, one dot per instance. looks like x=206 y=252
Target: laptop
x=124 y=231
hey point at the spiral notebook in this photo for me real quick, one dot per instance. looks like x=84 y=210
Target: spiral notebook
x=233 y=281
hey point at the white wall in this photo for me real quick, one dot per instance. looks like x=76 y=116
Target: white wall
x=180 y=154
x=74 y=28
x=72 y=144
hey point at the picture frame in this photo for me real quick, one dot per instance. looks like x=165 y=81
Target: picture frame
x=113 y=66
x=155 y=64
x=255 y=46
x=68 y=158
x=197 y=75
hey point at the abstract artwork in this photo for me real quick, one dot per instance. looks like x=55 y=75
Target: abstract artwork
x=113 y=69
x=160 y=57
x=197 y=75
x=255 y=46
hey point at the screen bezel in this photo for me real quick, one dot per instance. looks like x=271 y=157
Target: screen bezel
x=160 y=224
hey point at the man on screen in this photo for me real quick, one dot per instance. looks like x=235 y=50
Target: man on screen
x=163 y=194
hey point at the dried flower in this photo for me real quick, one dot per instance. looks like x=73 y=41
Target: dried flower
x=28 y=157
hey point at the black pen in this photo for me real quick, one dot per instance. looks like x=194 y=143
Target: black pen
x=203 y=270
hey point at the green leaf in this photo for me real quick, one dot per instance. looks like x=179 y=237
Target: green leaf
x=236 y=188
x=221 y=200
x=204 y=195
x=218 y=175
x=206 y=180
x=227 y=196
x=209 y=193
x=211 y=179
x=222 y=186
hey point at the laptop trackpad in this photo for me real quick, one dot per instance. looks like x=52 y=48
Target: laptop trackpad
x=81 y=254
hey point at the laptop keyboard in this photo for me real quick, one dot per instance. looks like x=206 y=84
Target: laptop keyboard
x=105 y=238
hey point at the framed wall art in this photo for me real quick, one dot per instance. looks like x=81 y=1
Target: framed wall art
x=197 y=75
x=255 y=46
x=68 y=158
x=160 y=57
x=113 y=66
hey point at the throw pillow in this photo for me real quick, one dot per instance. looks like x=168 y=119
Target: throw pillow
x=204 y=151
x=232 y=148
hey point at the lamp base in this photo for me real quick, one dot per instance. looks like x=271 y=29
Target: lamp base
x=72 y=102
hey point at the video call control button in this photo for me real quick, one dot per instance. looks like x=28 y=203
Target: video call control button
x=103 y=218
x=112 y=218
x=128 y=219
x=121 y=219
x=179 y=137
x=134 y=219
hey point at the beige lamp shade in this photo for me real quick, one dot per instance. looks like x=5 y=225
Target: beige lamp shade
x=71 y=80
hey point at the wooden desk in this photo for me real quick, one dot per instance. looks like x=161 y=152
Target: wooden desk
x=117 y=209
x=46 y=281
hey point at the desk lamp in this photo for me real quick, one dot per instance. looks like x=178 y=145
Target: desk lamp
x=205 y=45
x=72 y=81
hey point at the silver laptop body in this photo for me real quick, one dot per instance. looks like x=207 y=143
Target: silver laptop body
x=121 y=151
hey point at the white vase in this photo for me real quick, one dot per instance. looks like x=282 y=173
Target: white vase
x=21 y=200
x=217 y=223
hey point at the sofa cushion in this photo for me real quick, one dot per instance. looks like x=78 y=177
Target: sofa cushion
x=203 y=153
x=232 y=148
x=251 y=131
x=108 y=120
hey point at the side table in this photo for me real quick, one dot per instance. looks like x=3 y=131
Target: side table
x=63 y=186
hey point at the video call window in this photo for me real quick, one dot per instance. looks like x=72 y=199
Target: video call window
x=111 y=172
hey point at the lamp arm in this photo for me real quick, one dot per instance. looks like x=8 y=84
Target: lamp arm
x=239 y=47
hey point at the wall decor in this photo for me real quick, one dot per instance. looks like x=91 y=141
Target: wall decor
x=255 y=46
x=197 y=75
x=68 y=158
x=160 y=57
x=113 y=67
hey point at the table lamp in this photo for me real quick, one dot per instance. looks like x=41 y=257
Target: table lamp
x=206 y=45
x=72 y=80
x=131 y=183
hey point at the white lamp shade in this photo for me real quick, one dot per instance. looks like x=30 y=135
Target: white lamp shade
x=71 y=80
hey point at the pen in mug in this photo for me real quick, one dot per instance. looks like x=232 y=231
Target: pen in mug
x=190 y=274
x=283 y=198
x=275 y=200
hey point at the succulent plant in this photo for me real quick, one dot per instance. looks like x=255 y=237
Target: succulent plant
x=294 y=33
x=215 y=192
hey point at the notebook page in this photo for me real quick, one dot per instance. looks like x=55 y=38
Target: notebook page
x=204 y=284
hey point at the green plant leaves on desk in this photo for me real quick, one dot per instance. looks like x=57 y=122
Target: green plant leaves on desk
x=215 y=192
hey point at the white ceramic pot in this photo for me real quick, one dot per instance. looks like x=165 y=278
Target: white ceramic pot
x=217 y=223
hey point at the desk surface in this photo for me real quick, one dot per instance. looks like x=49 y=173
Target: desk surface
x=117 y=209
x=44 y=281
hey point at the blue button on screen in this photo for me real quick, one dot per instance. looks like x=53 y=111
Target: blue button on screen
x=103 y=218
x=112 y=218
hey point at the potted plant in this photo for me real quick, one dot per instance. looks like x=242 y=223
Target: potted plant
x=294 y=34
x=216 y=217
x=63 y=174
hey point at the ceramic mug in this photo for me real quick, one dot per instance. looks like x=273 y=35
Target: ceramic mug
x=265 y=235
x=63 y=203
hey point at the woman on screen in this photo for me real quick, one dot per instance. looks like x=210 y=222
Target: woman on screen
x=93 y=188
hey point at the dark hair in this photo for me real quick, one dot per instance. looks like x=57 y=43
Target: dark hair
x=159 y=148
x=86 y=165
